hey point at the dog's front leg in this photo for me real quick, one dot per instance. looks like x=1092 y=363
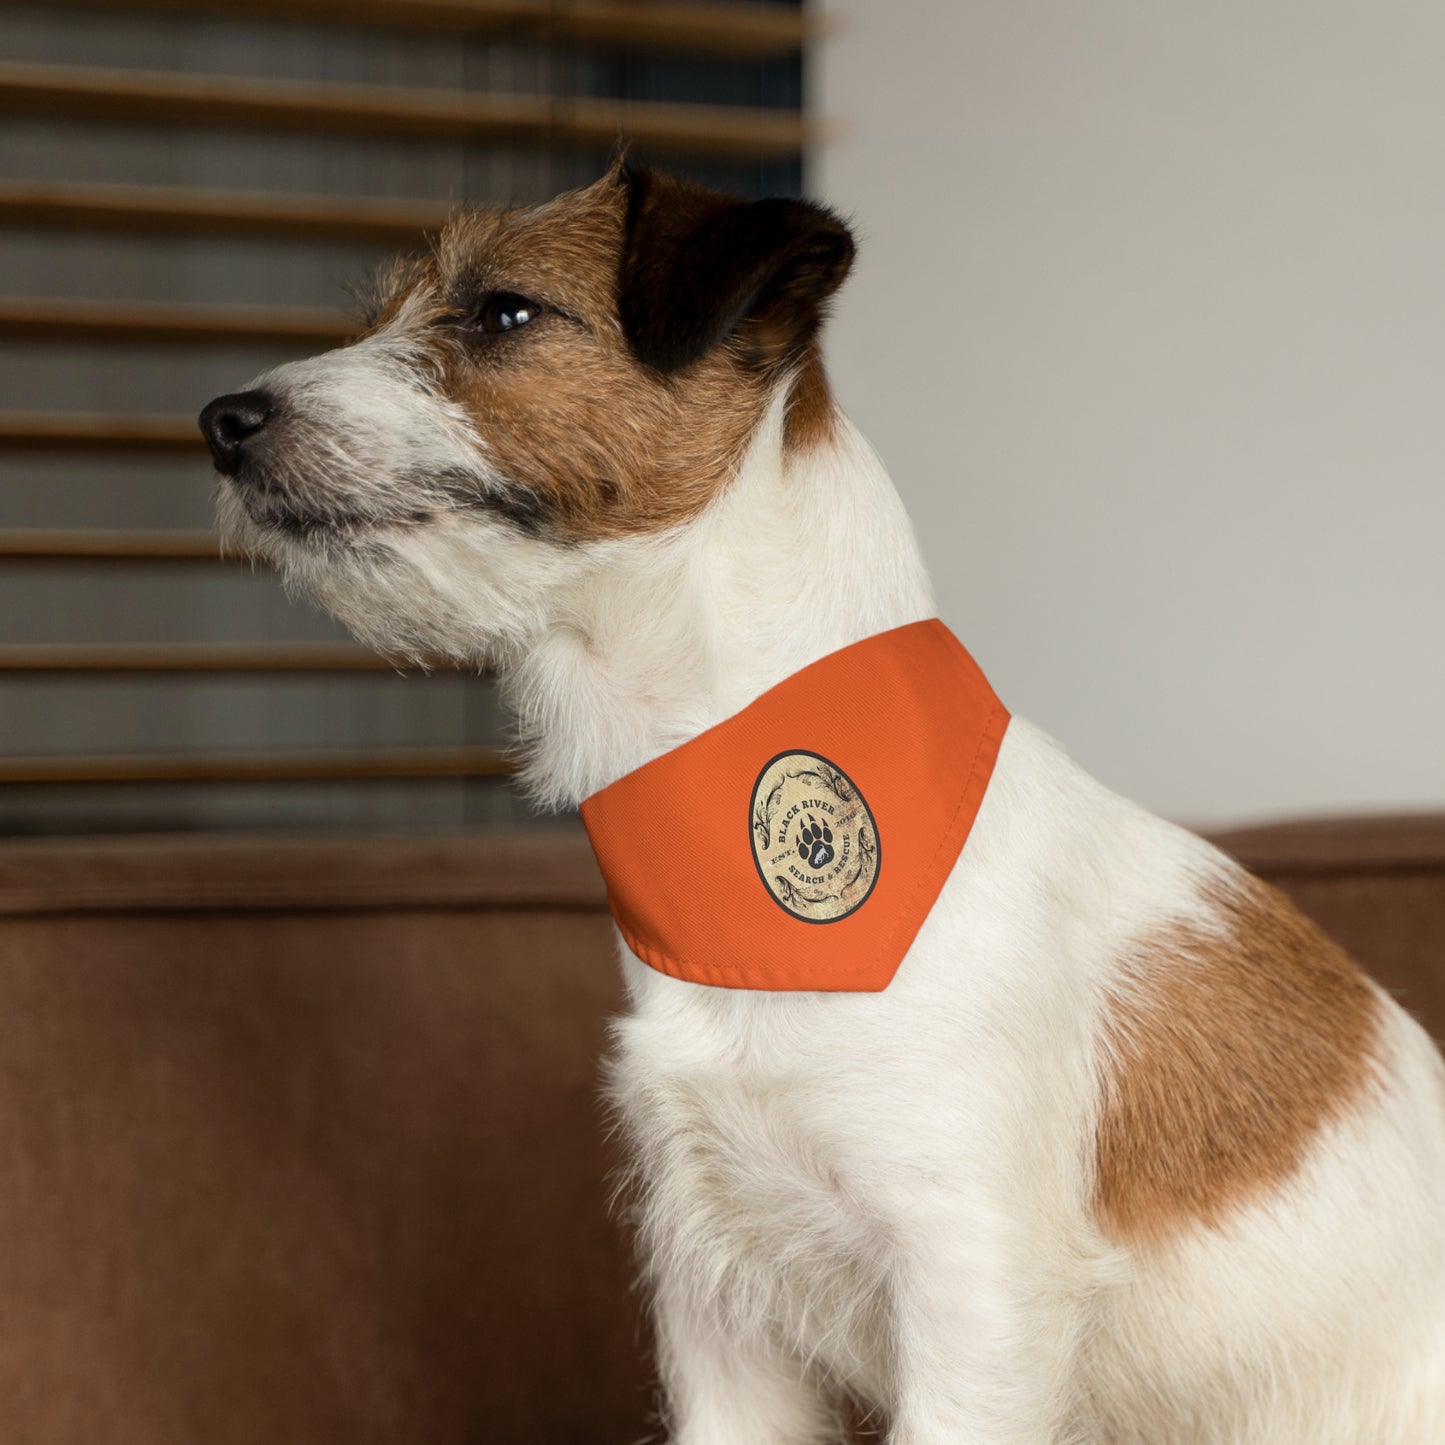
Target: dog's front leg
x=721 y=1388
x=985 y=1340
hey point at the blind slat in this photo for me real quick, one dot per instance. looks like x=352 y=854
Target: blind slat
x=85 y=431
x=171 y=323
x=172 y=210
x=77 y=544
x=744 y=31
x=325 y=107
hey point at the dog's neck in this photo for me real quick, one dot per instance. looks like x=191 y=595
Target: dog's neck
x=804 y=553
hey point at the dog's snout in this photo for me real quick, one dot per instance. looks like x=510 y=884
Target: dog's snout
x=229 y=422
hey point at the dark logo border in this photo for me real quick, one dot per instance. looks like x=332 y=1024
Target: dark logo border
x=867 y=807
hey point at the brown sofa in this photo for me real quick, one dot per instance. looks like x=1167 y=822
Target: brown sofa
x=299 y=1137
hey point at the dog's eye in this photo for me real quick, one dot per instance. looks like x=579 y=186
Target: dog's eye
x=505 y=311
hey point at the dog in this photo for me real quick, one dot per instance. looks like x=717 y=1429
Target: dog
x=1120 y=1150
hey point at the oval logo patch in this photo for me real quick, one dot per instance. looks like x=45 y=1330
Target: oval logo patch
x=814 y=840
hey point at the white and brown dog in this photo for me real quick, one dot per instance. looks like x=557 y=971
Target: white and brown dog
x=1126 y=1151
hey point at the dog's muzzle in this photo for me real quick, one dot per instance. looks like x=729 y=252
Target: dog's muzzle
x=231 y=424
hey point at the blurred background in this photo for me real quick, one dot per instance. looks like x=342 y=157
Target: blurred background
x=1149 y=324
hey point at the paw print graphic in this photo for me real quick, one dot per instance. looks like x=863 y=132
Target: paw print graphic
x=815 y=843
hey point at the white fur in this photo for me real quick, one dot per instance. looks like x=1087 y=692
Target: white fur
x=889 y=1194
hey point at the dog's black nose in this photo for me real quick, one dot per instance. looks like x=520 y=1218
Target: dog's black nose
x=229 y=422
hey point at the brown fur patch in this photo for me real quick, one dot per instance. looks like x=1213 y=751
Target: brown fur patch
x=812 y=417
x=599 y=444
x=1227 y=1052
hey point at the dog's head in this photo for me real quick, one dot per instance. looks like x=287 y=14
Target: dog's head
x=546 y=383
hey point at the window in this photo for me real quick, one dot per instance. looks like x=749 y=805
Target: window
x=188 y=190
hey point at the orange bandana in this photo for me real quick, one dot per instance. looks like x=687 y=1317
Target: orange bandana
x=801 y=843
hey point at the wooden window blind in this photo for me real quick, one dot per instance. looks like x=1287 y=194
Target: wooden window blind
x=186 y=189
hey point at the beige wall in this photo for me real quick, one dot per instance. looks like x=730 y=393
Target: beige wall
x=1149 y=324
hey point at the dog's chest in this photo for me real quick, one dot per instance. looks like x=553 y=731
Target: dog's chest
x=746 y=1182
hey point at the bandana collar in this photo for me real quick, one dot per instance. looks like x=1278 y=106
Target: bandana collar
x=801 y=843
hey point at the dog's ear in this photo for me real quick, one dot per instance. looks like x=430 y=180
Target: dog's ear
x=698 y=267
